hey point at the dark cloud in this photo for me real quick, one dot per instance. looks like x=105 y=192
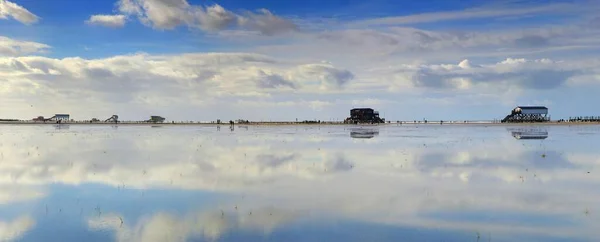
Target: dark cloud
x=430 y=79
x=528 y=75
x=169 y=14
x=595 y=22
x=41 y=64
x=273 y=81
x=531 y=41
x=535 y=79
x=98 y=73
x=329 y=76
x=17 y=65
x=425 y=37
x=266 y=23
x=273 y=161
x=544 y=79
x=338 y=77
x=360 y=37
x=339 y=164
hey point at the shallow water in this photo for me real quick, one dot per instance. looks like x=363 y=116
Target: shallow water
x=299 y=183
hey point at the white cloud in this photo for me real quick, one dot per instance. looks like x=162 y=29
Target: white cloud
x=113 y=21
x=465 y=64
x=19 y=13
x=12 y=47
x=537 y=74
x=160 y=81
x=209 y=79
x=131 y=75
x=169 y=14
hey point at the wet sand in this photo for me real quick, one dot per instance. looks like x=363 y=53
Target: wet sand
x=299 y=183
x=299 y=123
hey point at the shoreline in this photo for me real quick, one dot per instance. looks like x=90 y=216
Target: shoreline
x=307 y=124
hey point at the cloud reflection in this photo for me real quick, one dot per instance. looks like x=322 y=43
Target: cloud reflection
x=464 y=179
x=208 y=225
x=14 y=229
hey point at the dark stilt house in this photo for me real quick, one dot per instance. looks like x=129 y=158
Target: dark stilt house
x=364 y=115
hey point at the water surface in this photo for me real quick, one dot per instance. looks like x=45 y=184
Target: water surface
x=299 y=183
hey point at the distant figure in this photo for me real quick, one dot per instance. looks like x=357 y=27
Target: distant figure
x=231 y=122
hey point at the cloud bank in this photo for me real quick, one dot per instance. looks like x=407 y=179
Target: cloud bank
x=169 y=14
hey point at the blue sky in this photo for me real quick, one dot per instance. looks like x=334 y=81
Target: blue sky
x=281 y=60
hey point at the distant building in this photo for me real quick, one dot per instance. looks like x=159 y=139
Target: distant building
x=527 y=114
x=364 y=115
x=156 y=119
x=114 y=118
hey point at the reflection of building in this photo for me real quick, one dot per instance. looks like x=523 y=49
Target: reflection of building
x=364 y=115
x=364 y=133
x=62 y=126
x=527 y=133
x=527 y=114
x=530 y=135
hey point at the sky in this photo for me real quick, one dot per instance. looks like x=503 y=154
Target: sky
x=308 y=60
